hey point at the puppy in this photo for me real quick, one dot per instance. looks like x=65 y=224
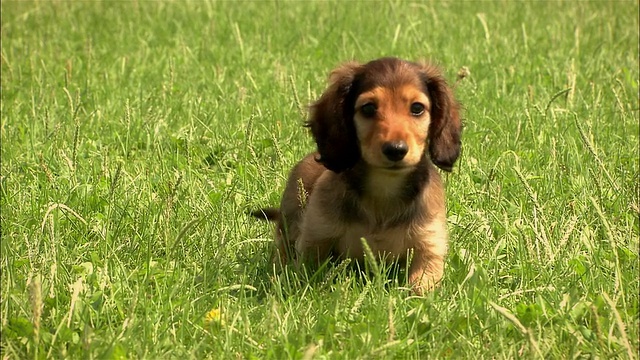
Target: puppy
x=379 y=128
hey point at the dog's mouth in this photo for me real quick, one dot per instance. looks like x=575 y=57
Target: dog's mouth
x=396 y=168
x=387 y=165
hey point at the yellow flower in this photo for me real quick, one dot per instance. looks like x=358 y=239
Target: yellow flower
x=213 y=318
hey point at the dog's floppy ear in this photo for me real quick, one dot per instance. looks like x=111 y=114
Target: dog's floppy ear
x=331 y=120
x=445 y=128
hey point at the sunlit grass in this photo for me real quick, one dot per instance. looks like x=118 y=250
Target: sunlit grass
x=135 y=135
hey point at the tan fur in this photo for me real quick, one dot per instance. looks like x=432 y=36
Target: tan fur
x=393 y=123
x=353 y=188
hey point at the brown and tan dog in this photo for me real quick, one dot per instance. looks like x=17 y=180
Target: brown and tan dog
x=379 y=128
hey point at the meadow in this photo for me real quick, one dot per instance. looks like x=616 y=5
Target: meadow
x=135 y=135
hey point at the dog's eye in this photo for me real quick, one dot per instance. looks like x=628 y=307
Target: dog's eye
x=368 y=110
x=417 y=109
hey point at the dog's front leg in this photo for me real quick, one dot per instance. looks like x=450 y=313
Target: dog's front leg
x=425 y=271
x=427 y=265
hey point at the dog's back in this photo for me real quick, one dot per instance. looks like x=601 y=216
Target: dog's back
x=300 y=184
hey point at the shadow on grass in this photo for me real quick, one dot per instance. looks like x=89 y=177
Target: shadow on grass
x=271 y=280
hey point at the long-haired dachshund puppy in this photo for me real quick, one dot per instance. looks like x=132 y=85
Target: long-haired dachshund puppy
x=379 y=128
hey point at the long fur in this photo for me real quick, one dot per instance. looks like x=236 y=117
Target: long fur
x=373 y=175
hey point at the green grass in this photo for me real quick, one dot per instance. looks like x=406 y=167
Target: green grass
x=135 y=135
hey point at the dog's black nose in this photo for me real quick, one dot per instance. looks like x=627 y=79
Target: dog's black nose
x=395 y=150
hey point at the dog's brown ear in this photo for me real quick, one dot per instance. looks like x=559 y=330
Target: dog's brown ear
x=331 y=121
x=445 y=128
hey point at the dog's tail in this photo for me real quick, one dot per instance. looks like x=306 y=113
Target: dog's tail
x=270 y=214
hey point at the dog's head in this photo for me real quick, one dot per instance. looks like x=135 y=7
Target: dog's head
x=388 y=112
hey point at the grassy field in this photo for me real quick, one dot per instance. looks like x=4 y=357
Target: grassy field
x=136 y=134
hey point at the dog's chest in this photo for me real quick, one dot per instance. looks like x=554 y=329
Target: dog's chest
x=391 y=243
x=383 y=185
